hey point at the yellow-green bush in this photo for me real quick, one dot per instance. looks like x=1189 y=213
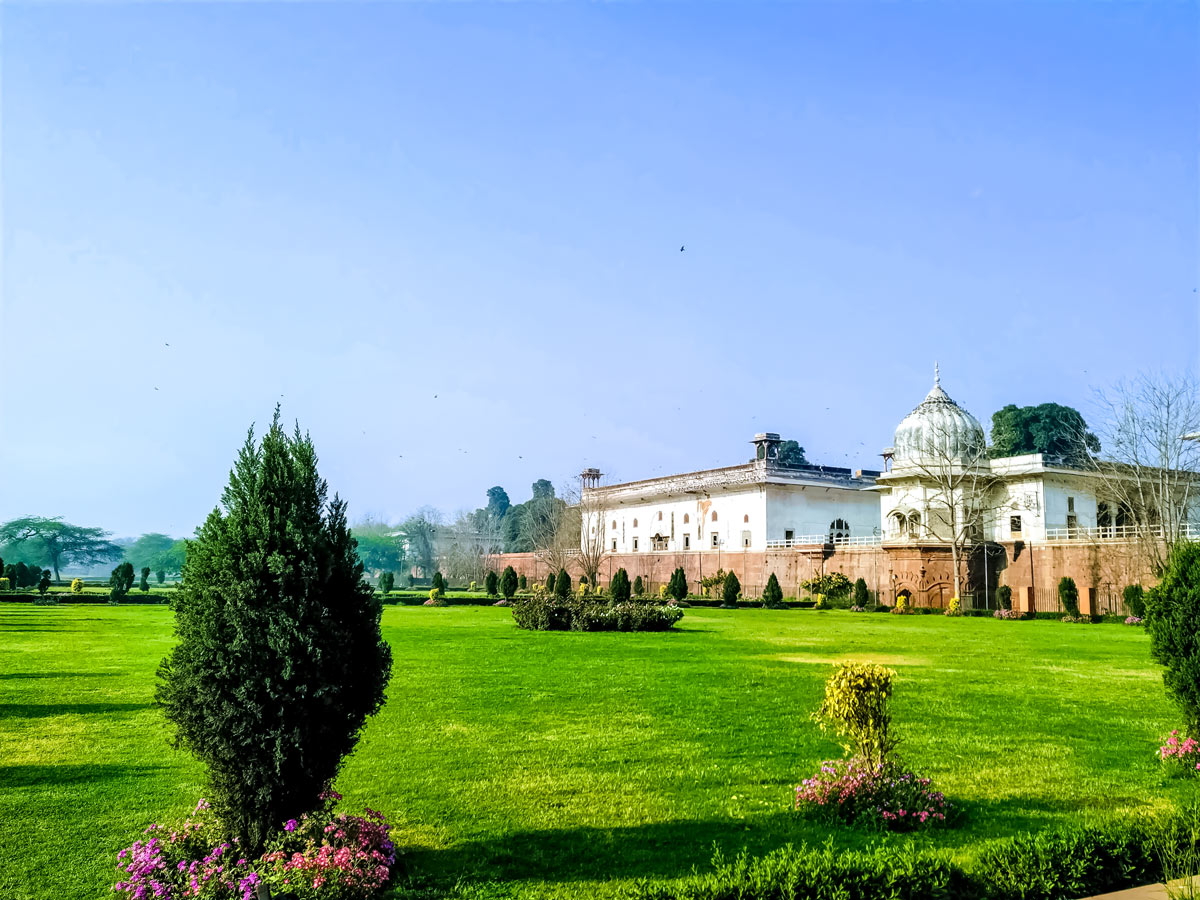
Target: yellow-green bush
x=77 y=586
x=856 y=709
x=3 y=584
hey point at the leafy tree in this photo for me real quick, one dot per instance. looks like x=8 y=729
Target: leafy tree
x=378 y=547
x=120 y=582
x=498 y=502
x=58 y=543
x=387 y=581
x=562 y=585
x=1049 y=428
x=861 y=595
x=677 y=587
x=144 y=584
x=791 y=454
x=508 y=582
x=147 y=549
x=619 y=587
x=491 y=583
x=730 y=590
x=418 y=535
x=1068 y=595
x=522 y=583
x=43 y=584
x=160 y=576
x=543 y=490
x=833 y=585
x=280 y=659
x=438 y=584
x=772 y=593
x=639 y=587
x=172 y=559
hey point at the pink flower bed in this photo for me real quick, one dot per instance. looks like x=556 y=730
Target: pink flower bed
x=1181 y=755
x=319 y=856
x=850 y=790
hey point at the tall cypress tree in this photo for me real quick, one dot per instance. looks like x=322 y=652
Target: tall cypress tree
x=508 y=582
x=772 y=593
x=562 y=585
x=279 y=659
x=619 y=587
x=677 y=587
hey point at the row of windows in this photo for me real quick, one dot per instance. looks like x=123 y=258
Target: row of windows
x=660 y=543
x=686 y=520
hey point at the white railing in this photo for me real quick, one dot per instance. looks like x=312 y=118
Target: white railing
x=821 y=540
x=1118 y=533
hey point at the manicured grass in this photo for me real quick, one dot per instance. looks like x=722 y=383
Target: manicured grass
x=527 y=763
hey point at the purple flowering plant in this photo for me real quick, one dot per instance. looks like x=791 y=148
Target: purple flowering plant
x=320 y=856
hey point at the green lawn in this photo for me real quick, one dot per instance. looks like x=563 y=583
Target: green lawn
x=524 y=763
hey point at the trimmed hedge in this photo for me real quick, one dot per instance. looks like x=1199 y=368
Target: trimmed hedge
x=64 y=597
x=578 y=614
x=1055 y=865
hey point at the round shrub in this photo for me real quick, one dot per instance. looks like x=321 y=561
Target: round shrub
x=856 y=709
x=77 y=586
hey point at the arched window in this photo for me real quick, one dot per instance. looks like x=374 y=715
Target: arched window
x=635 y=523
x=839 y=531
x=746 y=518
x=614 y=525
x=685 y=518
x=714 y=515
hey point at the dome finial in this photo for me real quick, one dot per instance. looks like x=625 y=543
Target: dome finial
x=937 y=376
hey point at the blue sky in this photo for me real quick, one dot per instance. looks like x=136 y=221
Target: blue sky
x=446 y=237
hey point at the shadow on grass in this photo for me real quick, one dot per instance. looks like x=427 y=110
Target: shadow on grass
x=42 y=710
x=52 y=776
x=10 y=676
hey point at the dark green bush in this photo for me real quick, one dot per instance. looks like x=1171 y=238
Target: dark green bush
x=619 y=587
x=550 y=582
x=1068 y=595
x=438 y=584
x=861 y=596
x=578 y=614
x=491 y=584
x=772 y=593
x=562 y=585
x=1135 y=600
x=1004 y=597
x=677 y=587
x=1173 y=623
x=144 y=584
x=44 y=582
x=730 y=589
x=639 y=586
x=387 y=581
x=522 y=583
x=508 y=583
x=120 y=582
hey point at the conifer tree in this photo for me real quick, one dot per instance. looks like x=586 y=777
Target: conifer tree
x=387 y=581
x=730 y=590
x=522 y=583
x=144 y=584
x=861 y=595
x=550 y=582
x=1173 y=623
x=439 y=583
x=279 y=659
x=619 y=587
x=639 y=586
x=508 y=583
x=491 y=584
x=677 y=587
x=562 y=585
x=772 y=593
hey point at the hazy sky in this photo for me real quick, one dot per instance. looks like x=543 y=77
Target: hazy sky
x=446 y=237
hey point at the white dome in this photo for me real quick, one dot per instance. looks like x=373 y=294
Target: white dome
x=938 y=427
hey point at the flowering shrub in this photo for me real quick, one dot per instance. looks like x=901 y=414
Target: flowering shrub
x=819 y=602
x=1077 y=620
x=1006 y=614
x=856 y=709
x=853 y=790
x=435 y=599
x=858 y=609
x=901 y=607
x=1134 y=620
x=1181 y=757
x=77 y=586
x=321 y=856
x=662 y=591
x=955 y=607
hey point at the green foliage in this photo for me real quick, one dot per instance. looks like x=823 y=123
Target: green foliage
x=160 y=576
x=144 y=583
x=861 y=596
x=619 y=588
x=639 y=587
x=498 y=503
x=856 y=709
x=509 y=583
x=56 y=543
x=1135 y=600
x=120 y=582
x=562 y=585
x=1068 y=595
x=1173 y=623
x=543 y=490
x=550 y=583
x=773 y=593
x=491 y=583
x=1050 y=428
x=1004 y=597
x=387 y=581
x=438 y=583
x=279 y=659
x=417 y=534
x=677 y=587
x=522 y=583
x=833 y=585
x=730 y=590
x=585 y=613
x=147 y=549
x=43 y=584
x=377 y=546
x=791 y=454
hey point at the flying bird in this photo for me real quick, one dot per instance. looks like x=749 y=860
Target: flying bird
x=681 y=249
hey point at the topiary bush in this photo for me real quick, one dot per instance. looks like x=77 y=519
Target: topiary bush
x=491 y=584
x=1135 y=600
x=1173 y=624
x=550 y=579
x=860 y=595
x=730 y=591
x=677 y=587
x=1004 y=597
x=522 y=582
x=144 y=584
x=772 y=593
x=279 y=659
x=639 y=587
x=77 y=586
x=120 y=582
x=1068 y=596
x=438 y=583
x=562 y=585
x=856 y=708
x=387 y=581
x=619 y=588
x=508 y=583
x=552 y=613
